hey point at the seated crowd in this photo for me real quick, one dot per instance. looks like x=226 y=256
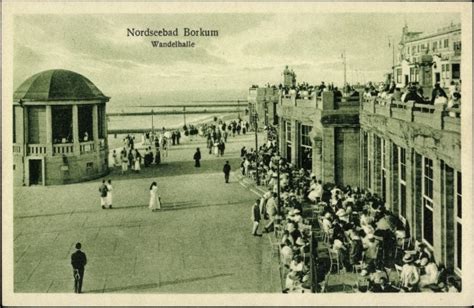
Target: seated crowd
x=355 y=228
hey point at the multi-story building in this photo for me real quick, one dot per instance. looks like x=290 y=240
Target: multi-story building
x=263 y=102
x=409 y=154
x=428 y=58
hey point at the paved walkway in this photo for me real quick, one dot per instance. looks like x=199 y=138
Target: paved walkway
x=200 y=241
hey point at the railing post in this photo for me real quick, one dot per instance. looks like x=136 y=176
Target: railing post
x=49 y=131
x=371 y=105
x=95 y=126
x=438 y=115
x=409 y=114
x=327 y=100
x=75 y=130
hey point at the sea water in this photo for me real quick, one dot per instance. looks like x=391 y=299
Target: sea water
x=146 y=102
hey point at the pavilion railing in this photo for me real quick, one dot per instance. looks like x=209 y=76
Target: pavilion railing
x=16 y=148
x=36 y=149
x=86 y=147
x=63 y=148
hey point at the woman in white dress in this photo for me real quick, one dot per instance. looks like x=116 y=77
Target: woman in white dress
x=155 y=203
x=138 y=160
x=109 y=193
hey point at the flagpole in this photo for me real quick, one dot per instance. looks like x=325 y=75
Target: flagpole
x=344 y=58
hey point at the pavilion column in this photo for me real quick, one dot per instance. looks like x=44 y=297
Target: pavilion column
x=95 y=127
x=75 y=129
x=105 y=125
x=49 y=131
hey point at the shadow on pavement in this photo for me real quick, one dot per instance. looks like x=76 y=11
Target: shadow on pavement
x=156 y=285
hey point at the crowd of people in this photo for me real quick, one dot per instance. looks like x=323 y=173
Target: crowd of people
x=354 y=228
x=450 y=97
x=156 y=149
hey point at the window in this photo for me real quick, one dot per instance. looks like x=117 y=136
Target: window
x=366 y=159
x=427 y=200
x=402 y=176
x=413 y=49
x=456 y=71
x=435 y=46
x=288 y=139
x=288 y=131
x=457 y=46
x=306 y=149
x=446 y=43
x=399 y=75
x=458 y=222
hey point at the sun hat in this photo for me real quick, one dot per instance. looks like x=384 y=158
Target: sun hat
x=408 y=258
x=300 y=241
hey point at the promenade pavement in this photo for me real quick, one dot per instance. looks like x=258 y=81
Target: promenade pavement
x=199 y=242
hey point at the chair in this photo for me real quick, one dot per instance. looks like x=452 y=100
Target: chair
x=324 y=284
x=357 y=268
x=402 y=245
x=334 y=260
x=398 y=268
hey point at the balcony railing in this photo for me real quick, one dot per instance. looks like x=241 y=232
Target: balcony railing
x=59 y=149
x=36 y=149
x=16 y=148
x=436 y=116
x=63 y=148
x=87 y=147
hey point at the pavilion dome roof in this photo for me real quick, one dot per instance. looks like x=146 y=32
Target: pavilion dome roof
x=57 y=84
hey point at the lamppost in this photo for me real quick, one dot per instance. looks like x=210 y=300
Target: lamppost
x=277 y=160
x=255 y=122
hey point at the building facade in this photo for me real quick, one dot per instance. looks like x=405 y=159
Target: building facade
x=406 y=153
x=59 y=129
x=411 y=157
x=263 y=103
x=428 y=58
x=321 y=134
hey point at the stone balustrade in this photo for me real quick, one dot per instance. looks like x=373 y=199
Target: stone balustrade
x=435 y=116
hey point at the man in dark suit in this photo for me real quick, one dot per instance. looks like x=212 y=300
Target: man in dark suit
x=226 y=170
x=78 y=262
x=197 y=158
x=256 y=217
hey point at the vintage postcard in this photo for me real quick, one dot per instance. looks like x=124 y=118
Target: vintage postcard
x=236 y=153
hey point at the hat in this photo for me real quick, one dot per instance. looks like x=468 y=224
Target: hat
x=296 y=211
x=408 y=258
x=327 y=215
x=364 y=272
x=300 y=242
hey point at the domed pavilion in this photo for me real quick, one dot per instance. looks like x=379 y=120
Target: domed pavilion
x=59 y=129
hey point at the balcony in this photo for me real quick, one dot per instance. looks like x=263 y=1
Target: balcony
x=60 y=149
x=86 y=147
x=63 y=148
x=437 y=117
x=36 y=149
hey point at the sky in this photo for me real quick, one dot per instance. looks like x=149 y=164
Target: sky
x=250 y=49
